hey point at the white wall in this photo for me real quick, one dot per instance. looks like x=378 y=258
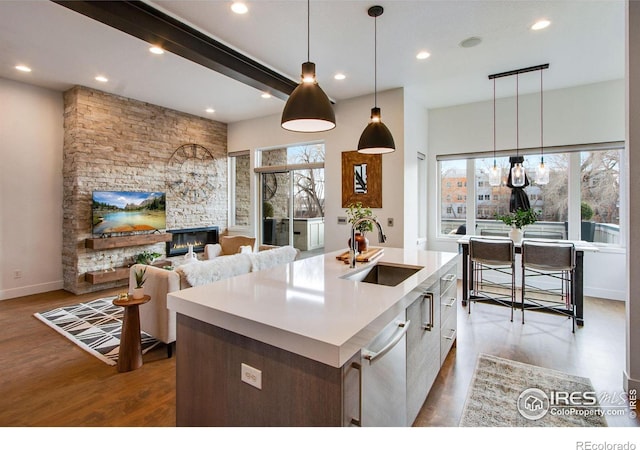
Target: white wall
x=31 y=136
x=351 y=117
x=415 y=136
x=578 y=115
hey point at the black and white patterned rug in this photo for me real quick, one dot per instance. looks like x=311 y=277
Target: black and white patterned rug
x=95 y=326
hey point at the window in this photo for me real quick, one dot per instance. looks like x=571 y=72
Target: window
x=452 y=214
x=597 y=167
x=600 y=196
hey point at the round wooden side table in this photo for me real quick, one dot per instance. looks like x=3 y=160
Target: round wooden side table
x=130 y=354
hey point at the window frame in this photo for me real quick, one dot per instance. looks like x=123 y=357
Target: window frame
x=574 y=177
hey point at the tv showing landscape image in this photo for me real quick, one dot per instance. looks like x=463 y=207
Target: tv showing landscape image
x=123 y=211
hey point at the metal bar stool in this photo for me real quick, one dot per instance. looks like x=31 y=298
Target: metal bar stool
x=553 y=263
x=492 y=259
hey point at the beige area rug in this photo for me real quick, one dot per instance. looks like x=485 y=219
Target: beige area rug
x=505 y=393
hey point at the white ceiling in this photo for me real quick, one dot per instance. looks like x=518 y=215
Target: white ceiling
x=584 y=44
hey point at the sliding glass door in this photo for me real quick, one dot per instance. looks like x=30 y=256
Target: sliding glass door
x=292 y=194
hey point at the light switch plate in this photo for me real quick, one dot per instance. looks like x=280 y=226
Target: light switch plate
x=251 y=375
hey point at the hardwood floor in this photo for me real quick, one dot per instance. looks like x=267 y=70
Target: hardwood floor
x=595 y=351
x=48 y=381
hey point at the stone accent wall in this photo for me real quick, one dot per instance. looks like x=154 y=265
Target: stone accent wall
x=115 y=143
x=243 y=190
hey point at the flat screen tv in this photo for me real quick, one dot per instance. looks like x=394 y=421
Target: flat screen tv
x=126 y=212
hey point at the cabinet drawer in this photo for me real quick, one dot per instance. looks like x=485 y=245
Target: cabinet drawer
x=448 y=335
x=448 y=307
x=448 y=281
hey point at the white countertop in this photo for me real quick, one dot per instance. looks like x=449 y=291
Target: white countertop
x=306 y=307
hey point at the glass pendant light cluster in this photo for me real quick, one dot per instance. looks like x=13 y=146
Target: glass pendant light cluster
x=376 y=137
x=308 y=108
x=518 y=176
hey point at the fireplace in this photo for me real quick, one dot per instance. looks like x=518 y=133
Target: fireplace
x=198 y=237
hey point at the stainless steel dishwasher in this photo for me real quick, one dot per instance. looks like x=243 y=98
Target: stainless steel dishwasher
x=384 y=370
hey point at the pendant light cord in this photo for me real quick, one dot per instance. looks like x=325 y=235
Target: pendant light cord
x=541 y=122
x=375 y=61
x=308 y=30
x=494 y=122
x=517 y=115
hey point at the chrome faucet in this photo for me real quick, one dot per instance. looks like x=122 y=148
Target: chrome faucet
x=353 y=250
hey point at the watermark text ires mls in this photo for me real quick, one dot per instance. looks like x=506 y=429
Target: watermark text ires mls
x=534 y=404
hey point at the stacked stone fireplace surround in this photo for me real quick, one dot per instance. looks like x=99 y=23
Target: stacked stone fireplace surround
x=112 y=143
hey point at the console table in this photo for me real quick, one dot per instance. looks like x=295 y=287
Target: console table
x=580 y=246
x=130 y=354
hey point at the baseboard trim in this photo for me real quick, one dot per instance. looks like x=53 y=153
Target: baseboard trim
x=609 y=294
x=7 y=294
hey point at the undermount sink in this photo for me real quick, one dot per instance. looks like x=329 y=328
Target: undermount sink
x=386 y=274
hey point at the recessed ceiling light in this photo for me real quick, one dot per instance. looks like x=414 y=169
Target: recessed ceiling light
x=239 y=7
x=470 y=42
x=156 y=50
x=339 y=76
x=210 y=110
x=23 y=68
x=540 y=24
x=423 y=55
x=102 y=79
x=265 y=95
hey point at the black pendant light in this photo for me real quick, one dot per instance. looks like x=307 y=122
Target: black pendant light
x=308 y=108
x=376 y=137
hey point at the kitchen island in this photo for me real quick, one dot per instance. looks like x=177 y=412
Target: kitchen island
x=282 y=347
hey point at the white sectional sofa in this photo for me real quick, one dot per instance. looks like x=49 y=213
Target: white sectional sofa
x=157 y=320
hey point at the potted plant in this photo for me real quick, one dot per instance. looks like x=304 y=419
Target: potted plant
x=587 y=227
x=517 y=221
x=147 y=257
x=138 y=291
x=357 y=211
